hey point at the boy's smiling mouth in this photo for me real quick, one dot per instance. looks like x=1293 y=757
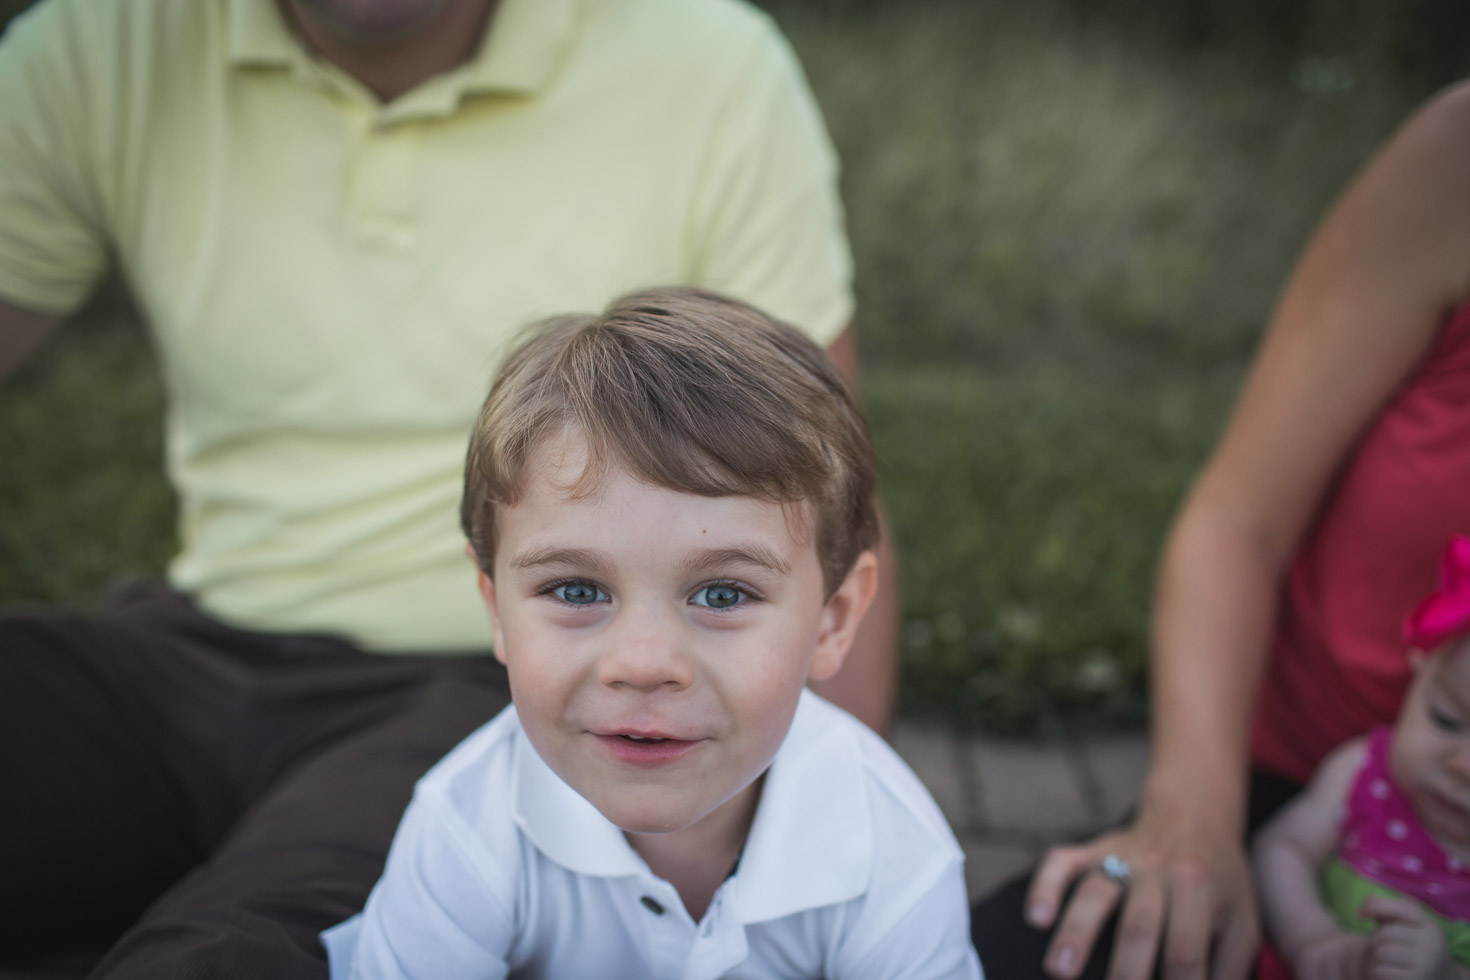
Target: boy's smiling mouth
x=644 y=748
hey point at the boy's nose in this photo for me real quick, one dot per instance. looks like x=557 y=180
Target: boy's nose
x=645 y=652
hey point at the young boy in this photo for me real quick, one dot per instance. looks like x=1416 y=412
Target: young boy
x=671 y=507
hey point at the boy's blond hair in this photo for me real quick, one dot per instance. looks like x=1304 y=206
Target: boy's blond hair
x=691 y=391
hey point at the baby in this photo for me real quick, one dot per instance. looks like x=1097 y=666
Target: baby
x=671 y=507
x=1365 y=874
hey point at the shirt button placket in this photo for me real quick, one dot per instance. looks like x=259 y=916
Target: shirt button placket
x=669 y=931
x=383 y=191
x=721 y=945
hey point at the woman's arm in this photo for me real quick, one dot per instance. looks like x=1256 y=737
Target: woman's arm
x=1360 y=311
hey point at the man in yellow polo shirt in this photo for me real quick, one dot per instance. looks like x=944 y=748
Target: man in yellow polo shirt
x=333 y=214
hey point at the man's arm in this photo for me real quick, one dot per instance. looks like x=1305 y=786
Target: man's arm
x=866 y=684
x=21 y=332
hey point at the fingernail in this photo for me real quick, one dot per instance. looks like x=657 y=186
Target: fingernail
x=1065 y=961
x=1039 y=914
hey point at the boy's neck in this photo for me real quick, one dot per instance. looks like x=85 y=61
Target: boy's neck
x=698 y=859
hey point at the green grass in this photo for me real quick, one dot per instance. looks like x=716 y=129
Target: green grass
x=82 y=497
x=1022 y=189
x=1066 y=239
x=1029 y=511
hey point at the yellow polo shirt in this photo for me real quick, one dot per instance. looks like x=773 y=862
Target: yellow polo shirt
x=330 y=281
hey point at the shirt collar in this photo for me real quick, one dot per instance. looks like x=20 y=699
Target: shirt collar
x=811 y=843
x=258 y=35
x=527 y=41
x=562 y=824
x=812 y=840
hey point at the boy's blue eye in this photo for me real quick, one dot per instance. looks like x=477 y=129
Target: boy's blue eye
x=579 y=593
x=718 y=596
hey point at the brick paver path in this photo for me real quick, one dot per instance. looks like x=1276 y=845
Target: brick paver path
x=1010 y=799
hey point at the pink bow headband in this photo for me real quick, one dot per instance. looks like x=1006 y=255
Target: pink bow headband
x=1447 y=611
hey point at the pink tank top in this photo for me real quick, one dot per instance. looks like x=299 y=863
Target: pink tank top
x=1338 y=666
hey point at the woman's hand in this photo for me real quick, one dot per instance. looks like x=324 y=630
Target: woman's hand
x=1189 y=900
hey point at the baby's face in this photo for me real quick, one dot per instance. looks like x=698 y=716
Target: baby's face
x=1431 y=749
x=657 y=641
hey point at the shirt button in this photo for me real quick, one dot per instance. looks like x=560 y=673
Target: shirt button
x=651 y=905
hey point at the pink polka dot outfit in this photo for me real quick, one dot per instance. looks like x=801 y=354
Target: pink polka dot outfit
x=1385 y=849
x=1383 y=840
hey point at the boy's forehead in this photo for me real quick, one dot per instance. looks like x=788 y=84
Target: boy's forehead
x=554 y=481
x=558 y=455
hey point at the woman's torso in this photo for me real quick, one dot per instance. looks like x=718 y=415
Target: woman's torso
x=1338 y=665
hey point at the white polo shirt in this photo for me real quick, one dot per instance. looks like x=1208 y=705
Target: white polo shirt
x=501 y=869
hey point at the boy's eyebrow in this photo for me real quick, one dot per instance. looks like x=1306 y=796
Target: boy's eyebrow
x=750 y=554
x=580 y=557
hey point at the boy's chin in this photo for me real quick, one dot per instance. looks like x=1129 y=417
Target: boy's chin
x=650 y=815
x=650 y=820
x=649 y=828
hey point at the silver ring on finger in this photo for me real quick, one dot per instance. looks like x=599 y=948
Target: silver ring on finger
x=1116 y=869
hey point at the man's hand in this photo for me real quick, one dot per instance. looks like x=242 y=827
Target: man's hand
x=1408 y=944
x=1336 y=955
x=1189 y=900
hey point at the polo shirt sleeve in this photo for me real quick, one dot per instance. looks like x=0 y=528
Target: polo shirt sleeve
x=914 y=919
x=930 y=937
x=52 y=248
x=768 y=219
x=441 y=909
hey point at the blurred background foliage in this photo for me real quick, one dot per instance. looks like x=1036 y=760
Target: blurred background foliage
x=1069 y=220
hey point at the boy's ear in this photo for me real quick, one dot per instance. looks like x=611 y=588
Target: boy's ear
x=487 y=594
x=842 y=614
